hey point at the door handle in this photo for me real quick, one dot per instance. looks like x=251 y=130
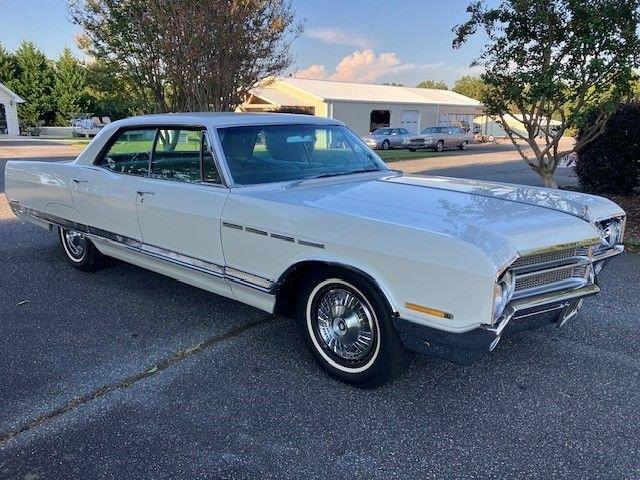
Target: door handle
x=80 y=180
x=140 y=193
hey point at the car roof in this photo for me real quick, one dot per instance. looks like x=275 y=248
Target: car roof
x=223 y=119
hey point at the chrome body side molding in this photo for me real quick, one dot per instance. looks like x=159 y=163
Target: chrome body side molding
x=234 y=275
x=279 y=236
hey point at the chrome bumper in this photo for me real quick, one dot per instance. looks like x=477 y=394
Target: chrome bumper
x=568 y=299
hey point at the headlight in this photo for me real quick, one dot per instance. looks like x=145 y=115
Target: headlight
x=610 y=232
x=502 y=293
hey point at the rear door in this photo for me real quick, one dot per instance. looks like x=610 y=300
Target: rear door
x=105 y=193
x=180 y=203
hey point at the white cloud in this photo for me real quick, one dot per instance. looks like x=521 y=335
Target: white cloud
x=336 y=36
x=365 y=66
x=313 y=72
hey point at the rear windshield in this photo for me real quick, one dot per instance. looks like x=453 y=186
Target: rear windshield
x=278 y=153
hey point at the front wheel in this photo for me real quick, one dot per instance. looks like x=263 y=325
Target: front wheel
x=439 y=146
x=79 y=250
x=348 y=328
x=386 y=145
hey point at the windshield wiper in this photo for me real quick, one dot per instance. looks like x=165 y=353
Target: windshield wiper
x=295 y=183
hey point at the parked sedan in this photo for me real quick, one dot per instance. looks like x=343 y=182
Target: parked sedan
x=438 y=138
x=294 y=215
x=386 y=138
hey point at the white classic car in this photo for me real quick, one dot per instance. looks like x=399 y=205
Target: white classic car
x=296 y=216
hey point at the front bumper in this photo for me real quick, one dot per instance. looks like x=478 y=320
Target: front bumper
x=526 y=314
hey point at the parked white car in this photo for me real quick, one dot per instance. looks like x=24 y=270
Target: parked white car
x=295 y=215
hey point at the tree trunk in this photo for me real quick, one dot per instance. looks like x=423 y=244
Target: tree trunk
x=548 y=179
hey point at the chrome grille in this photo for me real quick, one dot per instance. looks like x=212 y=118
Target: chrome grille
x=535 y=280
x=550 y=257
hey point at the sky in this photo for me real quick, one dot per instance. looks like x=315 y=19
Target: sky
x=367 y=41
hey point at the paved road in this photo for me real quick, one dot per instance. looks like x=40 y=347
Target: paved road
x=134 y=375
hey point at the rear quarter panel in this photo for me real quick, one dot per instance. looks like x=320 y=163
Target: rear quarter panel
x=42 y=186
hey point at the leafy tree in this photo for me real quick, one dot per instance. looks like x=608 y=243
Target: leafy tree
x=108 y=93
x=186 y=55
x=68 y=88
x=470 y=86
x=433 y=84
x=7 y=66
x=611 y=162
x=33 y=82
x=549 y=59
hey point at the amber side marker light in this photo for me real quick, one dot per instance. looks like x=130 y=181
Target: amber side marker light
x=429 y=311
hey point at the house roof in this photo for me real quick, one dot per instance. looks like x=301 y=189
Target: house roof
x=14 y=96
x=365 y=92
x=276 y=97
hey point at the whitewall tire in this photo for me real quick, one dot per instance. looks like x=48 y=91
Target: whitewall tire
x=78 y=250
x=348 y=328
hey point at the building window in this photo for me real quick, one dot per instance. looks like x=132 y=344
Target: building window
x=379 y=118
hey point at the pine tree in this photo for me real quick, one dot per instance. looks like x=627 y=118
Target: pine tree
x=68 y=88
x=33 y=82
x=7 y=66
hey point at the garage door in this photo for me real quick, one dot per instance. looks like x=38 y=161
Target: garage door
x=410 y=119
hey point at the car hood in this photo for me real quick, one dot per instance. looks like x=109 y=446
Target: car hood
x=503 y=220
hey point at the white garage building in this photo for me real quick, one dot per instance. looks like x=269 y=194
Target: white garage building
x=365 y=107
x=9 y=111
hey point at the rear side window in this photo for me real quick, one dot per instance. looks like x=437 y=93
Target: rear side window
x=130 y=152
x=176 y=155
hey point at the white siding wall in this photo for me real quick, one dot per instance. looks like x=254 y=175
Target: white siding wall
x=11 y=112
x=357 y=115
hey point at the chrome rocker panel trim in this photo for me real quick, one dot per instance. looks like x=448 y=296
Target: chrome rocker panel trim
x=46 y=220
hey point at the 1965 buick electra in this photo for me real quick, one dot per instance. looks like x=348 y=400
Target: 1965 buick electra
x=294 y=215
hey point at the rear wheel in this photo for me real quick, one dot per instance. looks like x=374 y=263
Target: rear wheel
x=463 y=145
x=348 y=328
x=79 y=250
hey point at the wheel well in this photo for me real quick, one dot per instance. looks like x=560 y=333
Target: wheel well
x=290 y=281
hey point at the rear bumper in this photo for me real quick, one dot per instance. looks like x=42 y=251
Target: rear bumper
x=527 y=314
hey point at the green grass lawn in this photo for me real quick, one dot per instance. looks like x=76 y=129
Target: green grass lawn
x=396 y=155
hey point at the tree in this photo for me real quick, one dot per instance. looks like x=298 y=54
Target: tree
x=7 y=66
x=558 y=59
x=68 y=87
x=469 y=86
x=108 y=93
x=611 y=162
x=186 y=55
x=393 y=84
x=33 y=82
x=433 y=84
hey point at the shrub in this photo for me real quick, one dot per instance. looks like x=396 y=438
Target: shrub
x=611 y=162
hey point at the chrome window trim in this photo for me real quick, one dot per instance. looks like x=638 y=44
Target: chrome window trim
x=206 y=132
x=219 y=157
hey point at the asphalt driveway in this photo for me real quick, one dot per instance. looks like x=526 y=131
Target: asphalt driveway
x=123 y=373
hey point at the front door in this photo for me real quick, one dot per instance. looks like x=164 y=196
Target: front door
x=180 y=203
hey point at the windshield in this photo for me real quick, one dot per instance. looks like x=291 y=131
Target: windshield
x=280 y=153
x=382 y=131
